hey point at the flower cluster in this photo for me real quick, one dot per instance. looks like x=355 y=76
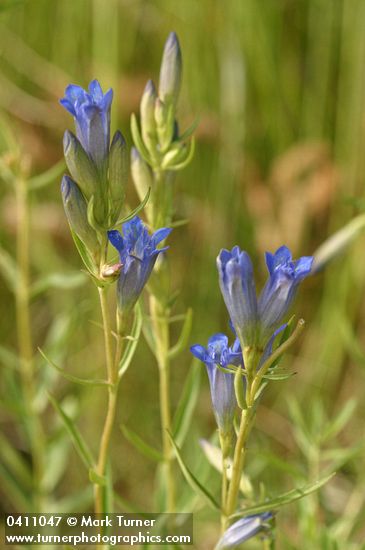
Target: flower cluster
x=99 y=170
x=256 y=322
x=255 y=319
x=159 y=147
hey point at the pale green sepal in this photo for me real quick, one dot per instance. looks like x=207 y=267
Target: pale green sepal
x=143 y=447
x=189 y=156
x=77 y=439
x=285 y=498
x=239 y=388
x=191 y=479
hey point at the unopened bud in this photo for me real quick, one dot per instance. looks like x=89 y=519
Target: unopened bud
x=171 y=70
x=81 y=167
x=76 y=212
x=118 y=172
x=148 y=124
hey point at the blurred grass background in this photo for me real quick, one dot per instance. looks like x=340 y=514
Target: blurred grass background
x=278 y=87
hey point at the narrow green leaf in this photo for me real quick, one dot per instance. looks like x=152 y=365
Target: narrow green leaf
x=186 y=406
x=182 y=342
x=132 y=343
x=191 y=479
x=71 y=377
x=136 y=210
x=78 y=441
x=65 y=281
x=37 y=182
x=285 y=498
x=8 y=269
x=141 y=445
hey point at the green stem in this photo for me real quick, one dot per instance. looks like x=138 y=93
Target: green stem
x=224 y=494
x=247 y=416
x=112 y=371
x=162 y=338
x=25 y=343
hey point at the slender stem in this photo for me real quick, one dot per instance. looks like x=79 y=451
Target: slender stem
x=112 y=402
x=238 y=459
x=25 y=343
x=224 y=494
x=162 y=337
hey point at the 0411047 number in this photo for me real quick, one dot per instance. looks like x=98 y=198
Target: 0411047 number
x=32 y=521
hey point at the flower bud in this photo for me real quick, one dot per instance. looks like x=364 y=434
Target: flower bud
x=81 y=167
x=118 y=172
x=141 y=174
x=76 y=212
x=148 y=124
x=171 y=71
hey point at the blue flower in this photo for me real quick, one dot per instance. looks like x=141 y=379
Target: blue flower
x=221 y=383
x=91 y=111
x=255 y=320
x=277 y=296
x=238 y=288
x=138 y=254
x=242 y=530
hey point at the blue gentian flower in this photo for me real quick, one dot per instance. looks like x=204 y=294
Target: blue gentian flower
x=222 y=391
x=277 y=296
x=237 y=285
x=91 y=111
x=255 y=320
x=242 y=530
x=138 y=254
